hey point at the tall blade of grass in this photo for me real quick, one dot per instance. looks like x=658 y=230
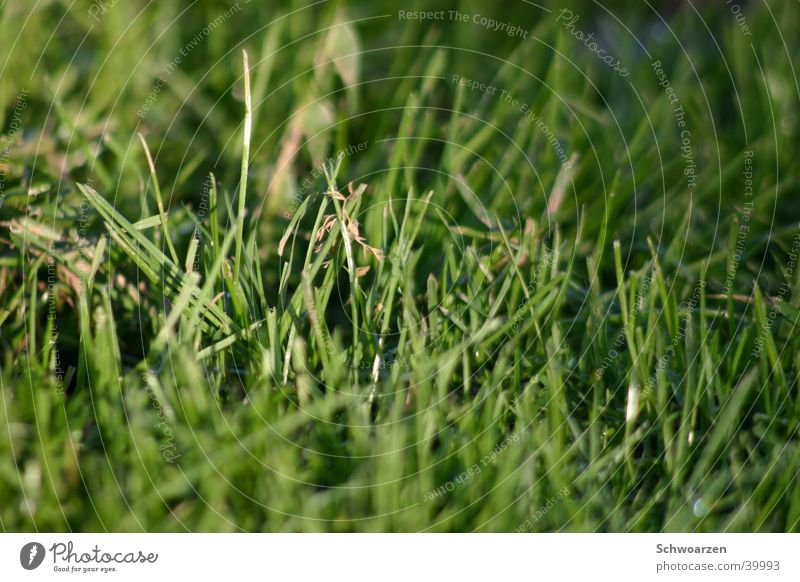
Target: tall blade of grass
x=248 y=120
x=159 y=201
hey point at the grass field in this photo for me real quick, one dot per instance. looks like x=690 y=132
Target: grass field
x=294 y=266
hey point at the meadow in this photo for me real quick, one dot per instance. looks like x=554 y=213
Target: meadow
x=340 y=266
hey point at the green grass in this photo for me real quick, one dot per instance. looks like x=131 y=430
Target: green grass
x=527 y=311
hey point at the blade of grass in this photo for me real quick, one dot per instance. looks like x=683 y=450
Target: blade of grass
x=248 y=120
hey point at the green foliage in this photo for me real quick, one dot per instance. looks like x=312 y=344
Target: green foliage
x=358 y=295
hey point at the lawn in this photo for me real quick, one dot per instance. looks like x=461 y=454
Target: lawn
x=344 y=266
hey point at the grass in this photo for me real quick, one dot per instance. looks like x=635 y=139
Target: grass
x=330 y=288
